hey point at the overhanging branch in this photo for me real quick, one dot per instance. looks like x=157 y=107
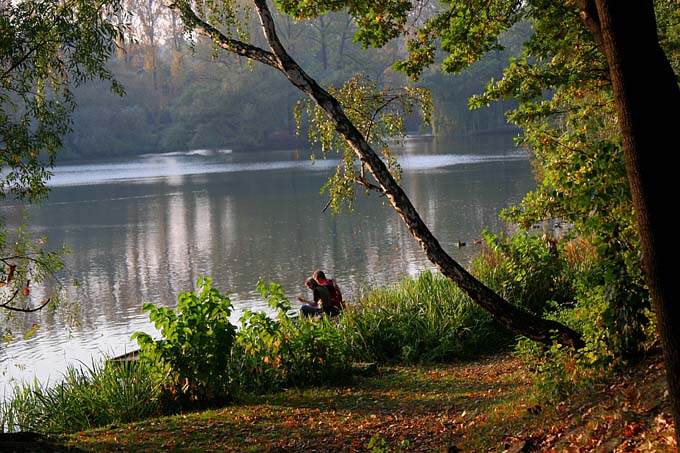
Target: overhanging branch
x=229 y=44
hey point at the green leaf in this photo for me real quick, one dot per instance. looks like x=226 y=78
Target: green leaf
x=31 y=332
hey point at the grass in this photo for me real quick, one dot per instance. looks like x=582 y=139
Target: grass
x=482 y=406
x=426 y=318
x=86 y=397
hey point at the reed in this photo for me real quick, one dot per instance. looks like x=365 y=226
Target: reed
x=88 y=396
x=420 y=319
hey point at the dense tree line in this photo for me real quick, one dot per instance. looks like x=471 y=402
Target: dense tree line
x=179 y=96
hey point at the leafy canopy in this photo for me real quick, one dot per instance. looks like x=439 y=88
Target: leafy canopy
x=378 y=22
x=465 y=30
x=47 y=47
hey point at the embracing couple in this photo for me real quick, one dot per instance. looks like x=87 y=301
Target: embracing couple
x=326 y=296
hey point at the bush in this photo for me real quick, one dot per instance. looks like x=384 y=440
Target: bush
x=272 y=354
x=525 y=269
x=609 y=307
x=192 y=359
x=202 y=357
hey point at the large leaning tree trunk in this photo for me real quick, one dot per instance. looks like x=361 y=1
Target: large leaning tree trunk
x=647 y=98
x=506 y=314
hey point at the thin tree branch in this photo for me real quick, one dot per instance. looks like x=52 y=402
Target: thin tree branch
x=5 y=306
x=225 y=42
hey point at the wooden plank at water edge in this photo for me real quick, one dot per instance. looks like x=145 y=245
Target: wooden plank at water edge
x=131 y=356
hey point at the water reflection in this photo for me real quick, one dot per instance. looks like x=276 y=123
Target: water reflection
x=238 y=217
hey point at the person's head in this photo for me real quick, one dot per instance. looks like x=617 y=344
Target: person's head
x=318 y=275
x=311 y=283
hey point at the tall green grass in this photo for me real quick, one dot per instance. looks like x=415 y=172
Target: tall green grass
x=87 y=397
x=421 y=319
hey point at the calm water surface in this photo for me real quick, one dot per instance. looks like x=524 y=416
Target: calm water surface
x=144 y=229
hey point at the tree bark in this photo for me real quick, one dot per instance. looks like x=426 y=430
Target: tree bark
x=506 y=314
x=647 y=98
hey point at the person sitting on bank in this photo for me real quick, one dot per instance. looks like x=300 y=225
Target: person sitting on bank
x=336 y=304
x=320 y=302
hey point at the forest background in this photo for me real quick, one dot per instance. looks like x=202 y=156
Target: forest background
x=180 y=97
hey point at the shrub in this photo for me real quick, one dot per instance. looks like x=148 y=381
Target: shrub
x=274 y=353
x=204 y=358
x=609 y=308
x=525 y=269
x=192 y=359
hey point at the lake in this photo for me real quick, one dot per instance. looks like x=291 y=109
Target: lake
x=144 y=229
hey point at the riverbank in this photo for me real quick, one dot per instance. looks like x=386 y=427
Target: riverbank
x=486 y=405
x=143 y=230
